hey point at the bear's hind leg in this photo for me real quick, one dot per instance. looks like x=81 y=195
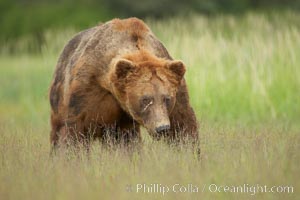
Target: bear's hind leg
x=66 y=135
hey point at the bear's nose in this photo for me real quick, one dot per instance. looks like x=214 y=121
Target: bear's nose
x=162 y=129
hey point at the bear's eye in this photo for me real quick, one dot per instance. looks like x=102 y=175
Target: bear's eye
x=146 y=102
x=167 y=100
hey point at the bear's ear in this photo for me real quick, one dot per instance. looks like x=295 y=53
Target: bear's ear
x=177 y=67
x=123 y=68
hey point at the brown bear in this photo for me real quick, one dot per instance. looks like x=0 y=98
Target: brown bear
x=113 y=78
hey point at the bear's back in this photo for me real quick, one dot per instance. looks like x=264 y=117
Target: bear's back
x=71 y=52
x=120 y=37
x=98 y=46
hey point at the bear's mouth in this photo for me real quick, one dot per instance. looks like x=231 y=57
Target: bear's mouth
x=158 y=135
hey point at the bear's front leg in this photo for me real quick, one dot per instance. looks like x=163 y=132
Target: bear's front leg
x=125 y=132
x=184 y=125
x=129 y=132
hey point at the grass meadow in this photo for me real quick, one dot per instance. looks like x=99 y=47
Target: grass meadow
x=243 y=74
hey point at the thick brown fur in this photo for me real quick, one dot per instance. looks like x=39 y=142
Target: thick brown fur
x=88 y=92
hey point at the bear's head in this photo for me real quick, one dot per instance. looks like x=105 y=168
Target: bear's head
x=147 y=91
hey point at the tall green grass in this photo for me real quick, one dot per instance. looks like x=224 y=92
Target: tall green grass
x=243 y=77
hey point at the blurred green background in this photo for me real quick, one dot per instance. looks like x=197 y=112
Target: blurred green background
x=31 y=18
